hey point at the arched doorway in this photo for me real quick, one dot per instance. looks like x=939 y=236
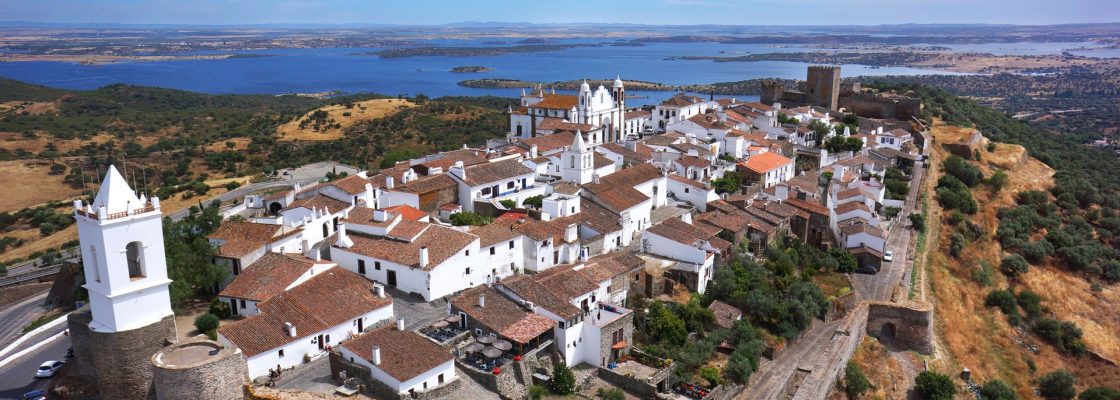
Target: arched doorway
x=274 y=208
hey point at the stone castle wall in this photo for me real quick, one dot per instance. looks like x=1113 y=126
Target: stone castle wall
x=912 y=323
x=119 y=362
x=221 y=376
x=871 y=106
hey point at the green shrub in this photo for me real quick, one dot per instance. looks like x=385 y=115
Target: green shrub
x=996 y=389
x=712 y=375
x=956 y=245
x=535 y=201
x=466 y=218
x=563 y=380
x=983 y=274
x=1031 y=303
x=1099 y=393
x=508 y=204
x=935 y=386
x=1005 y=301
x=536 y=392
x=963 y=170
x=220 y=309
x=998 y=181
x=207 y=323
x=1013 y=265
x=611 y=394
x=918 y=221
x=1057 y=385
x=233 y=185
x=855 y=382
x=1064 y=335
x=956 y=218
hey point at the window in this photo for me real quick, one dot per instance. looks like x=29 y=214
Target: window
x=237 y=267
x=468 y=252
x=362 y=267
x=425 y=385
x=509 y=185
x=281 y=353
x=686 y=190
x=97 y=266
x=492 y=251
x=486 y=191
x=440 y=379
x=328 y=338
x=377 y=265
x=135 y=253
x=511 y=244
x=468 y=271
x=561 y=324
x=242 y=303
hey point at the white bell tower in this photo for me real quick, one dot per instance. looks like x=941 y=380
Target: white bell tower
x=583 y=113
x=122 y=257
x=577 y=163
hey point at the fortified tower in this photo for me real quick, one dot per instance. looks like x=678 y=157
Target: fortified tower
x=129 y=315
x=822 y=85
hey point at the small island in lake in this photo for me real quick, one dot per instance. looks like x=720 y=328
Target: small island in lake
x=471 y=68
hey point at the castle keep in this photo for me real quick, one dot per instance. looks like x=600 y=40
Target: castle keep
x=822 y=88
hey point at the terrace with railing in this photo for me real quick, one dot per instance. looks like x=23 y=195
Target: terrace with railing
x=117 y=215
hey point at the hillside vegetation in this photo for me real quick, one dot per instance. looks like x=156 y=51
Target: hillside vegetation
x=1023 y=281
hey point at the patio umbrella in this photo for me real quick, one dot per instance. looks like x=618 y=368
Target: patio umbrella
x=439 y=324
x=473 y=347
x=492 y=352
x=503 y=345
x=486 y=339
x=452 y=319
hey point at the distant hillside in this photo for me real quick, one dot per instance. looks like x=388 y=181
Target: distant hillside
x=13 y=90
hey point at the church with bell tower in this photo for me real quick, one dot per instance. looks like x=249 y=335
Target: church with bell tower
x=129 y=316
x=598 y=113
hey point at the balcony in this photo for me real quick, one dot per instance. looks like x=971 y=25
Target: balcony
x=605 y=314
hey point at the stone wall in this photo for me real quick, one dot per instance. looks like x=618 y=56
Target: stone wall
x=872 y=106
x=220 y=376
x=515 y=377
x=911 y=323
x=119 y=362
x=643 y=388
x=606 y=335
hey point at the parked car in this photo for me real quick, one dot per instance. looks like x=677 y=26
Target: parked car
x=888 y=256
x=48 y=369
x=867 y=269
x=34 y=395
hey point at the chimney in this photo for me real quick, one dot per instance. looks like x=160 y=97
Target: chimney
x=545 y=216
x=879 y=131
x=400 y=324
x=389 y=182
x=291 y=329
x=571 y=234
x=482 y=301
x=583 y=254
x=376 y=355
x=459 y=171
x=595 y=178
x=423 y=256
x=77 y=205
x=316 y=255
x=533 y=151
x=687 y=218
x=343 y=240
x=380 y=215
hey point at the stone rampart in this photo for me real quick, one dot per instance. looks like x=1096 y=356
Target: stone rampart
x=118 y=362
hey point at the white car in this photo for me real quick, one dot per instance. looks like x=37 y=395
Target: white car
x=888 y=256
x=48 y=369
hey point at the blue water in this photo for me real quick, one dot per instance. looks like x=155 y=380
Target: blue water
x=333 y=69
x=1032 y=48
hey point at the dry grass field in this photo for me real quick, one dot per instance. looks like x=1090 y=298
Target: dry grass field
x=980 y=338
x=30 y=184
x=361 y=111
x=882 y=371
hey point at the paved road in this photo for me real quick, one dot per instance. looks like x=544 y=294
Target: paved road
x=15 y=317
x=239 y=193
x=880 y=286
x=18 y=377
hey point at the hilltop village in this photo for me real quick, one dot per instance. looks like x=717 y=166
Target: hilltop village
x=492 y=271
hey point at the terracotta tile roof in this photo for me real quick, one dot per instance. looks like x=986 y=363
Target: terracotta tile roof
x=242 y=237
x=722 y=206
x=808 y=206
x=426 y=184
x=631 y=157
x=637 y=114
x=501 y=314
x=760 y=106
x=566 y=188
x=531 y=290
x=407 y=230
x=407 y=212
x=851 y=206
x=807 y=182
x=352 y=184
x=267 y=277
x=364 y=216
x=547 y=143
x=598 y=218
x=686 y=148
x=448 y=158
x=632 y=176
x=900 y=133
x=860 y=160
x=617 y=198
x=725 y=314
x=565 y=282
x=765 y=162
x=849 y=193
x=311 y=307
x=660 y=140
x=861 y=227
x=690 y=182
x=491 y=172
x=737 y=117
x=404 y=354
x=731 y=222
x=557 y=124
x=442 y=243
x=681 y=100
x=499 y=231
x=558 y=102
x=599 y=161
x=319 y=202
x=780 y=209
x=682 y=232
x=694 y=162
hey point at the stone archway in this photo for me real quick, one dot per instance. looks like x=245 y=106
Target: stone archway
x=909 y=325
x=275 y=208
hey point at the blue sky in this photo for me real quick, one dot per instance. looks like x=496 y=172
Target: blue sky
x=736 y=12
